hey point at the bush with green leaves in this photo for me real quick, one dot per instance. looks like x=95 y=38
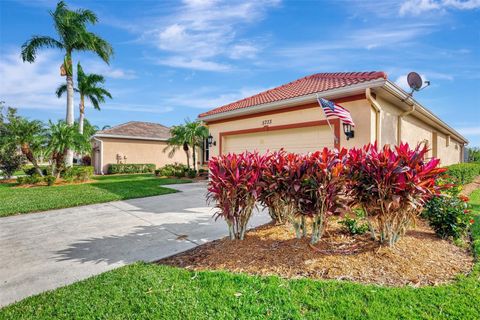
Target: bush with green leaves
x=10 y=161
x=464 y=172
x=31 y=170
x=119 y=168
x=78 y=173
x=172 y=170
x=23 y=180
x=191 y=173
x=50 y=180
x=353 y=226
x=447 y=213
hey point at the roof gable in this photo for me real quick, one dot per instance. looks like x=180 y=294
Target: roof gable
x=307 y=85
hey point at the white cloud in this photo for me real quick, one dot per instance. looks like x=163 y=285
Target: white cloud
x=95 y=66
x=31 y=85
x=200 y=34
x=417 y=7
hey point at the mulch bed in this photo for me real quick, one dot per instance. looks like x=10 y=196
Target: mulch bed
x=418 y=259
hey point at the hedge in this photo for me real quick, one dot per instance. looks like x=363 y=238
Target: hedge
x=78 y=173
x=131 y=168
x=464 y=172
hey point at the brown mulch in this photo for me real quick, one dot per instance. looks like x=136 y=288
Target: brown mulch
x=58 y=182
x=418 y=259
x=470 y=187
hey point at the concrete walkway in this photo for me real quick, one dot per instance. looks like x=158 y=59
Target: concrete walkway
x=43 y=251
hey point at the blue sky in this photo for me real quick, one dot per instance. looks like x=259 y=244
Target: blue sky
x=174 y=60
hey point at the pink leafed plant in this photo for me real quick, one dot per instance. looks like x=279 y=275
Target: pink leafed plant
x=234 y=186
x=392 y=186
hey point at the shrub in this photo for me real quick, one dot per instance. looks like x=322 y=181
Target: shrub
x=392 y=186
x=275 y=184
x=234 y=186
x=34 y=179
x=50 y=180
x=191 y=173
x=464 y=172
x=317 y=189
x=30 y=170
x=202 y=171
x=131 y=168
x=10 y=161
x=78 y=173
x=353 y=227
x=172 y=170
x=447 y=213
x=23 y=180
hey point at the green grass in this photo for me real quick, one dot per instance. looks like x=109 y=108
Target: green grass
x=475 y=201
x=147 y=291
x=104 y=189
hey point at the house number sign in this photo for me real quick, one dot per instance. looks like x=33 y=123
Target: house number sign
x=266 y=122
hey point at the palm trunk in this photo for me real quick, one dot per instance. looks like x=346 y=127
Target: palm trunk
x=27 y=152
x=69 y=118
x=194 y=158
x=82 y=115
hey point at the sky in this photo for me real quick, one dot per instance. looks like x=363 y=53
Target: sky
x=176 y=59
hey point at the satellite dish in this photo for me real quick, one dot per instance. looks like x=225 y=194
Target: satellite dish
x=414 y=80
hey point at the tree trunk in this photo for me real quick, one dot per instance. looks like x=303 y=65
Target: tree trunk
x=186 y=149
x=69 y=118
x=194 y=158
x=27 y=152
x=82 y=114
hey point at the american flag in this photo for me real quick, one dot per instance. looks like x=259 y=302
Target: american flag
x=334 y=110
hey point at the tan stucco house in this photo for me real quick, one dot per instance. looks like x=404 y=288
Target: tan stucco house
x=289 y=117
x=133 y=142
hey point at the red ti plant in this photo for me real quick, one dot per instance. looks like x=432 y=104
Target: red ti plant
x=234 y=186
x=317 y=188
x=392 y=186
x=275 y=182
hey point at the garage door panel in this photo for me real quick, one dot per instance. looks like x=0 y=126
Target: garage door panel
x=299 y=140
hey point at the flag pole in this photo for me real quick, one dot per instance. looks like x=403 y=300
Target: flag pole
x=335 y=138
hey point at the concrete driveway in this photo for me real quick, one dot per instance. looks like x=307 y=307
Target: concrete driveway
x=43 y=251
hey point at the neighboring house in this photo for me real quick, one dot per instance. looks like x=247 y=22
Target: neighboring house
x=289 y=117
x=133 y=142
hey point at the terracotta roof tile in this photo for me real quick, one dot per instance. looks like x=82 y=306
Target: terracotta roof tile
x=138 y=129
x=311 y=84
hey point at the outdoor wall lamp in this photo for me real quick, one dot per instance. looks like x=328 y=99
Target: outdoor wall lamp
x=347 y=129
x=210 y=141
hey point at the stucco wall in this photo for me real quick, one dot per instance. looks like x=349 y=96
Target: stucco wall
x=360 y=110
x=138 y=151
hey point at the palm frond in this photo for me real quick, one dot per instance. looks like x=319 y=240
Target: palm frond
x=61 y=90
x=30 y=47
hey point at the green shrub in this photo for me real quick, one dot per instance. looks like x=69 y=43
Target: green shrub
x=447 y=213
x=191 y=173
x=202 y=171
x=352 y=226
x=30 y=170
x=50 y=180
x=464 y=172
x=78 y=173
x=131 y=168
x=35 y=178
x=172 y=170
x=23 y=180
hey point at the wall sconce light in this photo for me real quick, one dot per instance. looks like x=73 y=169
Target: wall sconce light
x=347 y=129
x=210 y=141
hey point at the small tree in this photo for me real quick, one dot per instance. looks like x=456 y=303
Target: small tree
x=61 y=138
x=177 y=141
x=234 y=186
x=392 y=186
x=195 y=134
x=10 y=160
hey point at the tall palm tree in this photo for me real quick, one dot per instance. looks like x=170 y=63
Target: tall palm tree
x=61 y=138
x=71 y=28
x=195 y=134
x=88 y=86
x=29 y=136
x=178 y=140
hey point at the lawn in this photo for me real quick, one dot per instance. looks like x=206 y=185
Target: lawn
x=148 y=291
x=104 y=189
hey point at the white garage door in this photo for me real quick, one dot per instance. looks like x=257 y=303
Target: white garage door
x=298 y=140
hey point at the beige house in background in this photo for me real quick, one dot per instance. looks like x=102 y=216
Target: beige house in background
x=289 y=117
x=133 y=142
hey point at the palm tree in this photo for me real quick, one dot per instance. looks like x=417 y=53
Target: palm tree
x=71 y=28
x=29 y=136
x=195 y=134
x=176 y=141
x=88 y=86
x=61 y=138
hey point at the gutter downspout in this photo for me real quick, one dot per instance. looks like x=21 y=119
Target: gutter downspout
x=101 y=153
x=378 y=111
x=399 y=121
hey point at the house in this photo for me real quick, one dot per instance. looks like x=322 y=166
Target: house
x=289 y=117
x=133 y=142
